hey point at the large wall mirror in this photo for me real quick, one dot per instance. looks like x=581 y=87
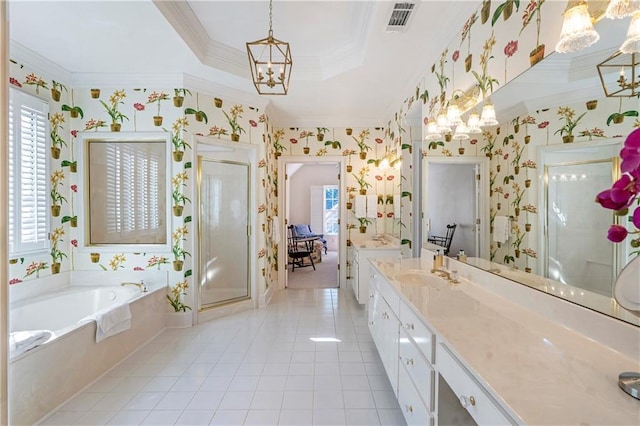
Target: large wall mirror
x=572 y=258
x=126 y=184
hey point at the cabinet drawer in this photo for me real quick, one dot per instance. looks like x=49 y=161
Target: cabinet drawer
x=413 y=410
x=390 y=295
x=419 y=370
x=420 y=334
x=482 y=407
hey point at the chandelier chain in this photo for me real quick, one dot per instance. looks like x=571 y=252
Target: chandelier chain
x=270 y=17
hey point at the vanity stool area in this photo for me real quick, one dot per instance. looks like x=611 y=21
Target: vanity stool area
x=466 y=353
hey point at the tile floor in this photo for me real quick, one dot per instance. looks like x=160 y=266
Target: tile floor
x=254 y=368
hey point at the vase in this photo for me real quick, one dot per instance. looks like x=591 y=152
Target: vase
x=305 y=150
x=618 y=118
x=527 y=270
x=363 y=229
x=177 y=265
x=517 y=211
x=516 y=128
x=447 y=137
x=200 y=118
x=157 y=120
x=73 y=113
x=55 y=211
x=363 y=191
x=489 y=155
x=335 y=145
x=55 y=95
x=177 y=210
x=217 y=102
x=95 y=93
x=178 y=101
x=277 y=155
x=349 y=168
x=517 y=253
x=498 y=167
x=461 y=151
x=180 y=319
x=348 y=243
x=499 y=206
x=536 y=55
x=497 y=130
x=516 y=169
x=567 y=138
x=625 y=289
x=527 y=139
x=73 y=167
x=115 y=127
x=527 y=183
x=177 y=156
x=235 y=137
x=320 y=137
x=467 y=62
x=73 y=222
x=591 y=105
x=55 y=152
x=55 y=268
x=349 y=205
x=363 y=155
x=527 y=227
x=95 y=257
x=349 y=131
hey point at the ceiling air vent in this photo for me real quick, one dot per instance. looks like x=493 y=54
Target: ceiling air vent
x=400 y=16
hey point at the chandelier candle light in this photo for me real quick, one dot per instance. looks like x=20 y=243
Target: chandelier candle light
x=273 y=54
x=577 y=29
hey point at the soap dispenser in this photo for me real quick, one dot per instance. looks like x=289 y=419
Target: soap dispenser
x=461 y=256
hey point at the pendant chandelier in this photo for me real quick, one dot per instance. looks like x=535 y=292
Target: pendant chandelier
x=270 y=62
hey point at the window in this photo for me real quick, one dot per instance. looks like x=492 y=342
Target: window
x=28 y=173
x=331 y=199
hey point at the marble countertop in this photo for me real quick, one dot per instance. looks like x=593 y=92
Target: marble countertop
x=375 y=244
x=540 y=370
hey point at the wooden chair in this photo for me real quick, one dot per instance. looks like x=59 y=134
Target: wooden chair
x=298 y=250
x=445 y=241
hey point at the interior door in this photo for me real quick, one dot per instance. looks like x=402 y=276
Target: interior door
x=224 y=227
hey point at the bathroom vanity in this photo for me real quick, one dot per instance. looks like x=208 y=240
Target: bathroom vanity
x=359 y=253
x=464 y=353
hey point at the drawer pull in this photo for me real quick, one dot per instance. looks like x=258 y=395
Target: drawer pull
x=465 y=402
x=409 y=326
x=410 y=361
x=410 y=408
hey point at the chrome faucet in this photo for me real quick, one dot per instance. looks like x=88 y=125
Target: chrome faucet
x=451 y=276
x=143 y=288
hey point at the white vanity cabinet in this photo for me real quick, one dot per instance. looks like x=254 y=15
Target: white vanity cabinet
x=360 y=252
x=414 y=357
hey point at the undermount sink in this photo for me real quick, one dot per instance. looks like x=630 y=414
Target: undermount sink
x=418 y=276
x=373 y=244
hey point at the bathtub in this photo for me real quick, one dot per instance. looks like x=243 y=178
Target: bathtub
x=43 y=378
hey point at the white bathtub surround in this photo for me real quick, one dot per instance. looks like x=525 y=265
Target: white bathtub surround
x=110 y=321
x=48 y=375
x=520 y=349
x=179 y=319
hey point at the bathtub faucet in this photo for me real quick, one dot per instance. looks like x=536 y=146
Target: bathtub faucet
x=143 y=288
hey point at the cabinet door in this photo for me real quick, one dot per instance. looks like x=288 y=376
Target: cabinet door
x=389 y=330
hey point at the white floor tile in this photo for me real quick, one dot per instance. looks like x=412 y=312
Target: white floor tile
x=205 y=401
x=160 y=384
x=113 y=401
x=212 y=383
x=128 y=417
x=187 y=384
x=295 y=417
x=62 y=418
x=236 y=401
x=265 y=400
x=195 y=417
x=391 y=417
x=262 y=417
x=329 y=417
x=145 y=401
x=95 y=417
x=327 y=399
x=272 y=383
x=364 y=417
x=229 y=418
x=385 y=399
x=325 y=383
x=83 y=402
x=297 y=400
x=244 y=383
x=350 y=383
x=162 y=417
x=175 y=400
x=299 y=383
x=358 y=399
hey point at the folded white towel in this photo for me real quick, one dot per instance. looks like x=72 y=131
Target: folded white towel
x=360 y=208
x=275 y=230
x=110 y=321
x=22 y=341
x=372 y=205
x=501 y=229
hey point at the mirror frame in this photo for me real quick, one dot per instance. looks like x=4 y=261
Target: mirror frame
x=83 y=190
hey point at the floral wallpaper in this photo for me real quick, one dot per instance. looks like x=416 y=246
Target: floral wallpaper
x=182 y=113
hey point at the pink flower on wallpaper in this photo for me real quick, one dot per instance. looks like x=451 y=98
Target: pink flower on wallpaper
x=74 y=133
x=473 y=141
x=74 y=243
x=511 y=48
x=379 y=214
x=74 y=188
x=138 y=106
x=138 y=268
x=390 y=177
x=378 y=177
x=543 y=125
x=199 y=134
x=15 y=281
x=425 y=121
x=14 y=82
x=506 y=156
x=378 y=140
x=253 y=123
x=506 y=195
x=455 y=55
x=390 y=214
x=293 y=140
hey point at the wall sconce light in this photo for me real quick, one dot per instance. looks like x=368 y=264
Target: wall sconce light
x=488 y=115
x=632 y=42
x=473 y=123
x=618 y=9
x=577 y=29
x=461 y=133
x=453 y=115
x=443 y=122
x=433 y=131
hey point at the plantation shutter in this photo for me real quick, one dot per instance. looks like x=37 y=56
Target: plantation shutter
x=28 y=173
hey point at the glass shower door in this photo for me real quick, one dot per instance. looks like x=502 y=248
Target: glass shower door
x=224 y=232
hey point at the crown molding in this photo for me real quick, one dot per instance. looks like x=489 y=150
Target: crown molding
x=181 y=17
x=211 y=88
x=38 y=63
x=127 y=79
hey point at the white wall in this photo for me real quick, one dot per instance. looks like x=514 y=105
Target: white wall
x=300 y=183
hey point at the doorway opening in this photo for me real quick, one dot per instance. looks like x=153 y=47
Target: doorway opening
x=312 y=195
